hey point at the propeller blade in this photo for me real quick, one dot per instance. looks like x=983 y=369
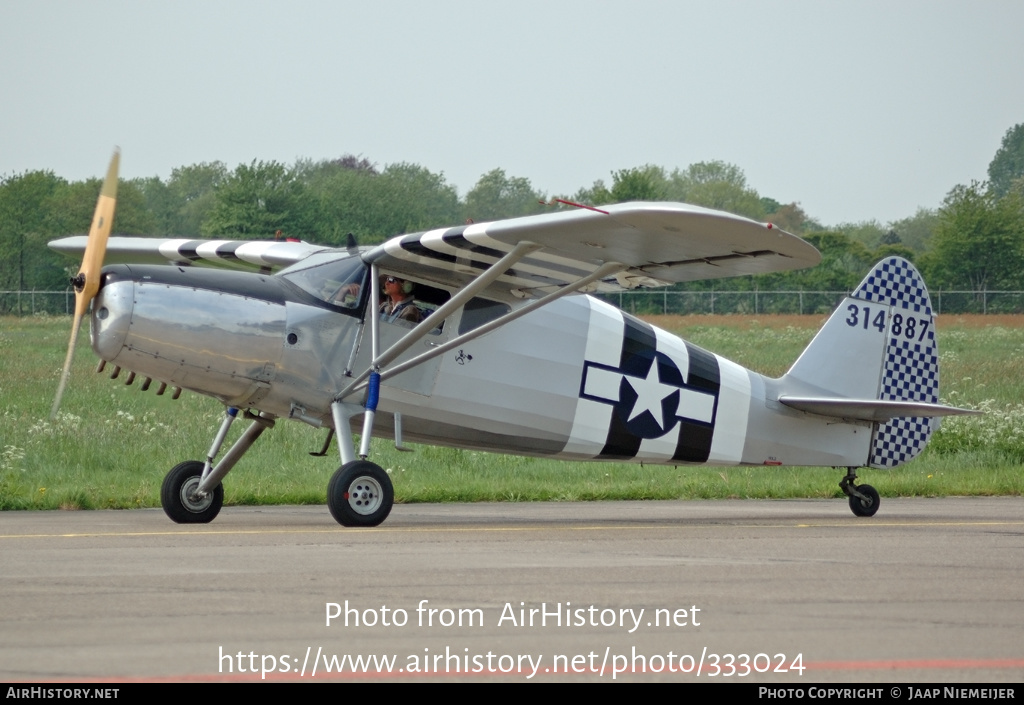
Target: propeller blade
x=87 y=282
x=66 y=372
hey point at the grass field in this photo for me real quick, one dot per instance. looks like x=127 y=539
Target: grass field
x=111 y=444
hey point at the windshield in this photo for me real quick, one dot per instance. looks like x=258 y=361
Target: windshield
x=339 y=282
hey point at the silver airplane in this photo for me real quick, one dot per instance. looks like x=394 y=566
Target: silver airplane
x=487 y=339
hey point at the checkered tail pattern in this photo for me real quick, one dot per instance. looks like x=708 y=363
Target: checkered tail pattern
x=911 y=370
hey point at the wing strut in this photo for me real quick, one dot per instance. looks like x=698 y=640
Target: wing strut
x=605 y=270
x=371 y=378
x=437 y=317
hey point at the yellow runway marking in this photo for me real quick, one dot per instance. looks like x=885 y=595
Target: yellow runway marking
x=500 y=529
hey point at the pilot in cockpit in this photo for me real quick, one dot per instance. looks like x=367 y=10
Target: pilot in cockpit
x=400 y=305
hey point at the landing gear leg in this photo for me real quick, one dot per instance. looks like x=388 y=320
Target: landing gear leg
x=360 y=493
x=864 y=499
x=192 y=491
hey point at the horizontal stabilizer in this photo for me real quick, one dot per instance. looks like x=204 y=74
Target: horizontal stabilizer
x=880 y=410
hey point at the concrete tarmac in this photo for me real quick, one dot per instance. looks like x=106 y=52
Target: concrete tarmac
x=788 y=591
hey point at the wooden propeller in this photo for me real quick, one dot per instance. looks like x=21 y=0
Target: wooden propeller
x=87 y=281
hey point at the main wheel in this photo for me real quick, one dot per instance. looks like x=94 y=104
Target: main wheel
x=177 y=495
x=868 y=507
x=360 y=494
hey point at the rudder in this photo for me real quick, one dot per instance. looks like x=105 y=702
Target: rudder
x=911 y=360
x=876 y=349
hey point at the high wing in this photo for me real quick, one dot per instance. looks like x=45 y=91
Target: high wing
x=656 y=244
x=267 y=255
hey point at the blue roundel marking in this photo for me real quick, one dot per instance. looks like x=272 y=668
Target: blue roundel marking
x=651 y=399
x=649 y=395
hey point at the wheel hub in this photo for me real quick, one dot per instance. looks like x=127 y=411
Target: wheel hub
x=365 y=495
x=190 y=498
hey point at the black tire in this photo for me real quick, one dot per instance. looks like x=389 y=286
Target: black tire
x=865 y=508
x=360 y=493
x=175 y=493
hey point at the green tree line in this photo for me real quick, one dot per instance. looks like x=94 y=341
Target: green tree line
x=974 y=240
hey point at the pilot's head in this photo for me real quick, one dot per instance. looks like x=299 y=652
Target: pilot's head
x=395 y=285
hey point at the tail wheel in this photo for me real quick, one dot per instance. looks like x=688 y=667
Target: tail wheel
x=179 y=499
x=868 y=506
x=360 y=493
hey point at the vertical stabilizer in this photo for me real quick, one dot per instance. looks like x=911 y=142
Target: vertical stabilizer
x=911 y=370
x=879 y=344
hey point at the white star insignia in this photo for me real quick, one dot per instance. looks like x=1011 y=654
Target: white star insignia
x=650 y=392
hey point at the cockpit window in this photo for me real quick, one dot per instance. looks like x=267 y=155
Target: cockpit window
x=339 y=282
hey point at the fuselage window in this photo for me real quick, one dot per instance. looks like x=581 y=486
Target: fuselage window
x=480 y=311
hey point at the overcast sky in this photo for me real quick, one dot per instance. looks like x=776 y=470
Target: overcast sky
x=857 y=110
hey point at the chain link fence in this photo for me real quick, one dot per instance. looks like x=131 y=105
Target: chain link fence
x=799 y=302
x=31 y=303
x=665 y=301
